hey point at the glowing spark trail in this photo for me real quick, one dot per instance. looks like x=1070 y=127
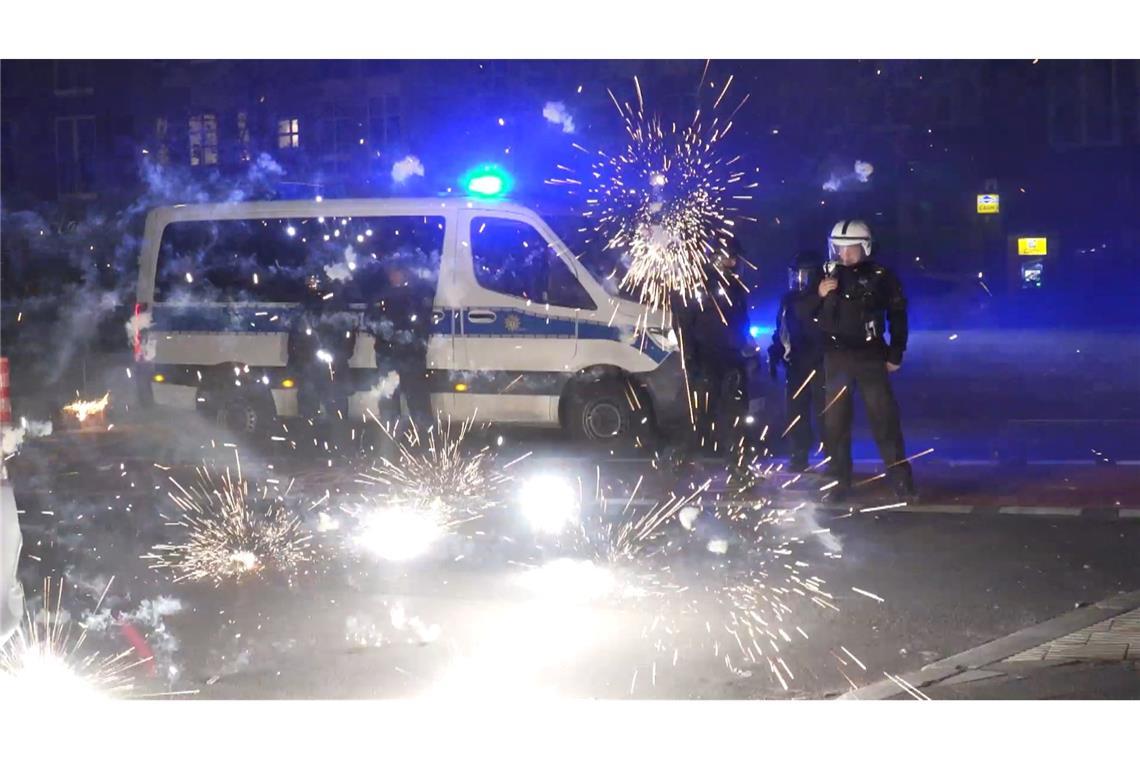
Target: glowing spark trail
x=231 y=531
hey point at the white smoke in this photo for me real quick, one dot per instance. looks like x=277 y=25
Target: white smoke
x=861 y=173
x=382 y=390
x=13 y=437
x=136 y=324
x=407 y=167
x=555 y=112
x=342 y=271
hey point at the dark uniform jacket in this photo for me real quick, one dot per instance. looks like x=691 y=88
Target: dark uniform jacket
x=798 y=339
x=322 y=325
x=708 y=337
x=855 y=316
x=401 y=321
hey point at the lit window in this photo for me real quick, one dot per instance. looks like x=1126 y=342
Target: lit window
x=203 y=140
x=243 y=136
x=288 y=133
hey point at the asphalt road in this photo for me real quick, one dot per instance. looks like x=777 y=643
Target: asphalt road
x=473 y=617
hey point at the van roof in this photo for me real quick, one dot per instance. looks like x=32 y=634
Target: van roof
x=331 y=207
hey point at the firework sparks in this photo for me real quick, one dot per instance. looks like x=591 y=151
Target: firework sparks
x=435 y=484
x=84 y=409
x=231 y=531
x=44 y=661
x=667 y=200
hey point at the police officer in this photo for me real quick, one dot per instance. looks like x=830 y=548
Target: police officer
x=401 y=325
x=797 y=344
x=321 y=341
x=856 y=302
x=716 y=338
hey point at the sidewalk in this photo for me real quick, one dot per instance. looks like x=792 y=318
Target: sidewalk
x=1092 y=652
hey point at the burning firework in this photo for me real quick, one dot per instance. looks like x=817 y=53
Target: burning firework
x=230 y=531
x=667 y=200
x=43 y=661
x=435 y=484
x=84 y=409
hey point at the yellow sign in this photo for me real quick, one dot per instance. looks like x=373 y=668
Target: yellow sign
x=1032 y=246
x=988 y=204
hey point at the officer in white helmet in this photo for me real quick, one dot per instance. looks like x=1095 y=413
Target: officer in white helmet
x=857 y=303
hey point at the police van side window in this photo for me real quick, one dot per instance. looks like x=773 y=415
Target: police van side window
x=513 y=259
x=270 y=261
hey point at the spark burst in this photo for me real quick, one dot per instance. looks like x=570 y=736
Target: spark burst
x=667 y=200
x=434 y=484
x=84 y=409
x=43 y=660
x=230 y=531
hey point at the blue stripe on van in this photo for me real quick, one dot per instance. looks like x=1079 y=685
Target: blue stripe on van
x=509 y=323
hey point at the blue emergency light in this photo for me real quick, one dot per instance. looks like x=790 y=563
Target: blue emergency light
x=487 y=181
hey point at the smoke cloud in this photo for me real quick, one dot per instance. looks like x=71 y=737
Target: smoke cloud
x=555 y=112
x=407 y=167
x=861 y=174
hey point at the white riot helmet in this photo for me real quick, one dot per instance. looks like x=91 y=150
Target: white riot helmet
x=849 y=232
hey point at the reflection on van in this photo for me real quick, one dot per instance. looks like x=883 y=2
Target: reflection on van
x=521 y=332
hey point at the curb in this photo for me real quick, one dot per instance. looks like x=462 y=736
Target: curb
x=999 y=649
x=1101 y=513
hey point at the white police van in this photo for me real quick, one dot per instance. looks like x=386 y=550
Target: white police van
x=517 y=337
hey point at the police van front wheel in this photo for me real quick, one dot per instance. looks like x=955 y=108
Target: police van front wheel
x=243 y=414
x=601 y=411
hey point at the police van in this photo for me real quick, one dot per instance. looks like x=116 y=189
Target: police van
x=522 y=333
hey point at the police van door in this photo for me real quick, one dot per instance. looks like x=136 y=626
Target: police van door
x=518 y=327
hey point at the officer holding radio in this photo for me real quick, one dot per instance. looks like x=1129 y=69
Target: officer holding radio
x=856 y=303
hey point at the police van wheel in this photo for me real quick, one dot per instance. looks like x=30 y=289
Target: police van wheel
x=244 y=415
x=600 y=412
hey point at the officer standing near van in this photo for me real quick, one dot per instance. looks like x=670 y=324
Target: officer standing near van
x=401 y=326
x=321 y=342
x=715 y=332
x=797 y=344
x=856 y=302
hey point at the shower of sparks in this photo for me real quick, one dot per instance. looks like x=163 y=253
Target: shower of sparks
x=84 y=409
x=668 y=200
x=435 y=484
x=45 y=662
x=231 y=531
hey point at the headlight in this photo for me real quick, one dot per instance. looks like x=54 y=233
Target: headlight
x=665 y=338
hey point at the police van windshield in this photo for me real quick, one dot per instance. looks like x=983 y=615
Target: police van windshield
x=271 y=260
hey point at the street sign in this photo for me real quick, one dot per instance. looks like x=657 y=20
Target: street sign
x=988 y=203
x=1032 y=246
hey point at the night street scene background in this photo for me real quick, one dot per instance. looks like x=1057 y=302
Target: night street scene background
x=592 y=507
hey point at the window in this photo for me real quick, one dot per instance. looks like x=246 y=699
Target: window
x=161 y=128
x=338 y=135
x=384 y=126
x=513 y=259
x=7 y=155
x=204 y=140
x=73 y=78
x=269 y=261
x=288 y=133
x=75 y=155
x=1083 y=107
x=243 y=136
